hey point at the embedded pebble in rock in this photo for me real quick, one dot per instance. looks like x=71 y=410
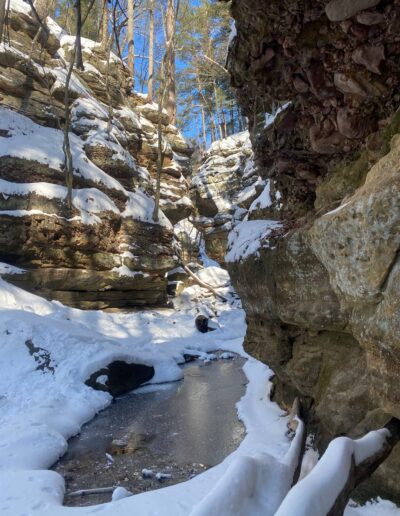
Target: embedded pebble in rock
x=339 y=10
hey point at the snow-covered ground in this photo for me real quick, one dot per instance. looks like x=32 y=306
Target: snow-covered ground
x=47 y=351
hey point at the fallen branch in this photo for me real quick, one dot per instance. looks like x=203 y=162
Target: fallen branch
x=97 y=490
x=202 y=284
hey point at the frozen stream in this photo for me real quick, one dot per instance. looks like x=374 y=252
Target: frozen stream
x=179 y=429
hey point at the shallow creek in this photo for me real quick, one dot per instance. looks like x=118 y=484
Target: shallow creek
x=178 y=429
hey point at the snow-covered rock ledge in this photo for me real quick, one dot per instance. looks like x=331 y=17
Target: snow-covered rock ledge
x=88 y=256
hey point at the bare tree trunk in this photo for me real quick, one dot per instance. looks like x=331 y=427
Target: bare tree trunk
x=151 y=52
x=160 y=151
x=224 y=123
x=217 y=112
x=79 y=60
x=170 y=27
x=131 y=40
x=104 y=25
x=203 y=124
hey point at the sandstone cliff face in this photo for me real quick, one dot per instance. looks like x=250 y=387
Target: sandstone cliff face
x=223 y=190
x=318 y=273
x=107 y=252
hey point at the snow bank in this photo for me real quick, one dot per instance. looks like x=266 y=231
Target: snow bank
x=141 y=207
x=248 y=237
x=316 y=493
x=87 y=200
x=214 y=276
x=31 y=141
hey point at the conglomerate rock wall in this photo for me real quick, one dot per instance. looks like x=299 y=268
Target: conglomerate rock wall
x=321 y=286
x=106 y=252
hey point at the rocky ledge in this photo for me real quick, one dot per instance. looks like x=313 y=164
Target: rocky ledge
x=224 y=189
x=318 y=270
x=106 y=251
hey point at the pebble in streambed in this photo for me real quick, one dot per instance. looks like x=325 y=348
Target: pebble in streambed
x=175 y=431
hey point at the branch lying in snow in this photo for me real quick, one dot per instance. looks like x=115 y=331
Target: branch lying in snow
x=344 y=465
x=98 y=490
x=204 y=285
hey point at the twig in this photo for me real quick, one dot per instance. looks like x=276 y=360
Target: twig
x=97 y=490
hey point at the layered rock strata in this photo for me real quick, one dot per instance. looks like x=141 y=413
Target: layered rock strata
x=318 y=270
x=105 y=251
x=223 y=190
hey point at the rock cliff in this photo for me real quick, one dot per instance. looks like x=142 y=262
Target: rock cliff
x=107 y=251
x=224 y=189
x=318 y=270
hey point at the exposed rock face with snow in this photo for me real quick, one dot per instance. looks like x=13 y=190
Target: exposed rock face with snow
x=106 y=251
x=318 y=271
x=223 y=190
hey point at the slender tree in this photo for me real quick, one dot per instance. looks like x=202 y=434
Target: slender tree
x=170 y=68
x=151 y=52
x=131 y=39
x=78 y=43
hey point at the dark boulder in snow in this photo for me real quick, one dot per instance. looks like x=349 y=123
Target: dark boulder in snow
x=119 y=377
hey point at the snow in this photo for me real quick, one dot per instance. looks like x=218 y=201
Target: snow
x=28 y=140
x=10 y=269
x=20 y=6
x=119 y=493
x=123 y=270
x=40 y=410
x=214 y=276
x=263 y=200
x=140 y=207
x=87 y=200
x=248 y=237
x=317 y=492
x=47 y=407
x=232 y=34
x=270 y=118
x=376 y=507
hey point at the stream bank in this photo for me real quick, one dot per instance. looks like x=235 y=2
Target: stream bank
x=179 y=429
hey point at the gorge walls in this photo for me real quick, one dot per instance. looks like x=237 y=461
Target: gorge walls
x=105 y=252
x=318 y=266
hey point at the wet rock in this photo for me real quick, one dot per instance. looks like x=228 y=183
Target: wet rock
x=120 y=377
x=201 y=323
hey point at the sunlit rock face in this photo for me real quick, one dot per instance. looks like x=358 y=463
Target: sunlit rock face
x=321 y=292
x=223 y=190
x=106 y=251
